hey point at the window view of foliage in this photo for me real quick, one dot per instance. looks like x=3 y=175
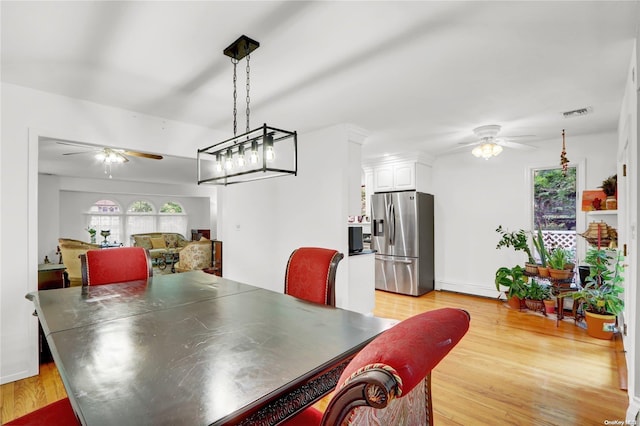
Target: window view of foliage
x=140 y=207
x=554 y=197
x=171 y=207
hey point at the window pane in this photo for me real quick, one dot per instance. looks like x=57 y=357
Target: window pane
x=554 y=200
x=140 y=207
x=173 y=223
x=106 y=222
x=105 y=206
x=171 y=207
x=140 y=224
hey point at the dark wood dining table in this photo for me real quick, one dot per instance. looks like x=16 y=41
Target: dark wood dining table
x=196 y=349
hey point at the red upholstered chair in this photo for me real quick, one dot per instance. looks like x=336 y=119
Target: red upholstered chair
x=389 y=381
x=115 y=265
x=311 y=274
x=58 y=413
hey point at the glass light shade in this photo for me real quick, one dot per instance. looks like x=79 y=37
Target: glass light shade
x=269 y=153
x=228 y=163
x=253 y=155
x=241 y=160
x=218 y=163
x=487 y=150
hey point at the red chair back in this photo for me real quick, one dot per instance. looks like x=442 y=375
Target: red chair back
x=115 y=265
x=311 y=274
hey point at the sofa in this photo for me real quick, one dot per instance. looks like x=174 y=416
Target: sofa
x=70 y=250
x=159 y=243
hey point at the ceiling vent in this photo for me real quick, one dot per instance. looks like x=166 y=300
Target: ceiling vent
x=577 y=112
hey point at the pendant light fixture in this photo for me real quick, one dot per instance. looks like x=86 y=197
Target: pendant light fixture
x=261 y=153
x=488 y=147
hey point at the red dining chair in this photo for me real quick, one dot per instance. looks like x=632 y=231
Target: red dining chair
x=311 y=274
x=58 y=413
x=115 y=265
x=389 y=381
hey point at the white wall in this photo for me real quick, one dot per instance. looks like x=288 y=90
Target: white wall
x=474 y=196
x=263 y=222
x=27 y=115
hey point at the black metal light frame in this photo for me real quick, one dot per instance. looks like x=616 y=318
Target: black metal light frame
x=210 y=169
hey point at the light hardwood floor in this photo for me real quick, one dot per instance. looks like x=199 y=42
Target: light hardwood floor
x=512 y=368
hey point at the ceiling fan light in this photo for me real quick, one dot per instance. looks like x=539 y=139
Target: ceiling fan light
x=497 y=149
x=477 y=151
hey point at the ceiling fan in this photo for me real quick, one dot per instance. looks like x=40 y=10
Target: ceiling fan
x=109 y=156
x=489 y=145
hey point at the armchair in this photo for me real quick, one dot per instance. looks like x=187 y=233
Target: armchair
x=71 y=251
x=311 y=274
x=195 y=255
x=389 y=381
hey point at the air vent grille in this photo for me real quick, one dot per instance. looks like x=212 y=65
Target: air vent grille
x=577 y=112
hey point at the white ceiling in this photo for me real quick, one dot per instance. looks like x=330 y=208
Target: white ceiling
x=418 y=76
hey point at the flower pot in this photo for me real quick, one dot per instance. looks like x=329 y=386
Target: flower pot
x=600 y=326
x=515 y=302
x=534 y=305
x=531 y=268
x=543 y=271
x=570 y=266
x=549 y=306
x=560 y=274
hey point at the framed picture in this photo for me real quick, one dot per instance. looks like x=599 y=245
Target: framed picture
x=590 y=200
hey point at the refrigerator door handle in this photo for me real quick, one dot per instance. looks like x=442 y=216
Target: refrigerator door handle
x=394 y=260
x=392 y=224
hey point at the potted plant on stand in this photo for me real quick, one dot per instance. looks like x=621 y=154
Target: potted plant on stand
x=535 y=295
x=558 y=258
x=538 y=243
x=516 y=282
x=519 y=241
x=600 y=297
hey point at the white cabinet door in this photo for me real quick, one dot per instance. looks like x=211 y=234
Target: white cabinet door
x=404 y=176
x=383 y=178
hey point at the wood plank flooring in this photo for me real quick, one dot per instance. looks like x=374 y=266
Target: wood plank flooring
x=512 y=368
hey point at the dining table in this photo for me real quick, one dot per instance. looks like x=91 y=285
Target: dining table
x=196 y=349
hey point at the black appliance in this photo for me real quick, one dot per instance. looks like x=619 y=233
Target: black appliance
x=355 y=239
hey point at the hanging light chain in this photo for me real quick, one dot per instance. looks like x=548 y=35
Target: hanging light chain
x=235 y=97
x=248 y=111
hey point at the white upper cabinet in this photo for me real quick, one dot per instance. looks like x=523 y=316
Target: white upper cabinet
x=401 y=175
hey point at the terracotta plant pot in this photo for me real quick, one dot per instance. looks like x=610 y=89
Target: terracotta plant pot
x=543 y=271
x=516 y=303
x=549 y=306
x=598 y=326
x=560 y=274
x=531 y=268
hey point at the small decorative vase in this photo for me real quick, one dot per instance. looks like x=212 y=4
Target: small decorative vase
x=93 y=238
x=611 y=203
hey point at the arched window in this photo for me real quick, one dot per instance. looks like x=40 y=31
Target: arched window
x=141 y=217
x=172 y=218
x=105 y=215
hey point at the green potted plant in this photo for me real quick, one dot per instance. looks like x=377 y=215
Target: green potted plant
x=535 y=294
x=519 y=241
x=516 y=282
x=538 y=243
x=609 y=187
x=558 y=258
x=600 y=297
x=92 y=235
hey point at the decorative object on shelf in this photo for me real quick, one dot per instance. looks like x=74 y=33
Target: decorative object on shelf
x=600 y=297
x=92 y=235
x=600 y=234
x=610 y=187
x=564 y=161
x=271 y=152
x=592 y=200
x=105 y=233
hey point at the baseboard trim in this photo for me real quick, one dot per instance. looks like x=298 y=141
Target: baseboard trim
x=467 y=288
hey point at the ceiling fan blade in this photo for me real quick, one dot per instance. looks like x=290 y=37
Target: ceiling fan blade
x=143 y=155
x=81 y=152
x=517 y=145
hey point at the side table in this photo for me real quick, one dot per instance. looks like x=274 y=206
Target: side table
x=169 y=258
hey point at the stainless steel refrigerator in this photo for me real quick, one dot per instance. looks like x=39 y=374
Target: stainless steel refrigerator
x=402 y=235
